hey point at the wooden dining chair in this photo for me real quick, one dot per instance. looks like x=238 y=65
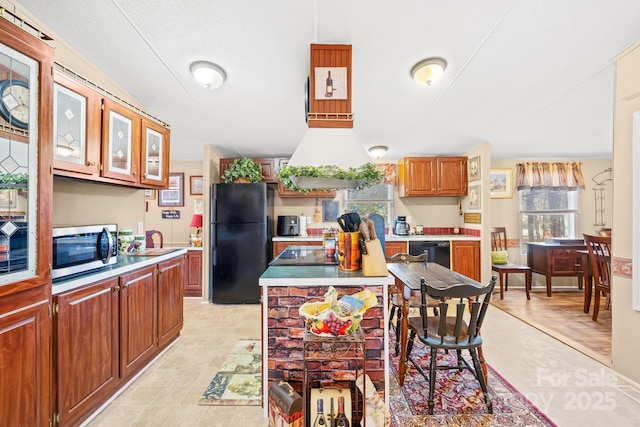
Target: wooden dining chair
x=150 y=243
x=395 y=295
x=501 y=265
x=457 y=330
x=599 y=248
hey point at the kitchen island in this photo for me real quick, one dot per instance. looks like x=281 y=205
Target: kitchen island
x=285 y=288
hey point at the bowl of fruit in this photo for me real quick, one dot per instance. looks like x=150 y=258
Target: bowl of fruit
x=333 y=317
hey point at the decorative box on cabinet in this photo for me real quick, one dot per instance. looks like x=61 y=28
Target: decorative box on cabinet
x=432 y=176
x=25 y=283
x=193 y=274
x=466 y=258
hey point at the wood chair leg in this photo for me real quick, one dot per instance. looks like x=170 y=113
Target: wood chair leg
x=527 y=284
x=501 y=285
x=506 y=282
x=596 y=304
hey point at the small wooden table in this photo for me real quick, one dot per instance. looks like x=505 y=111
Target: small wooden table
x=556 y=257
x=437 y=276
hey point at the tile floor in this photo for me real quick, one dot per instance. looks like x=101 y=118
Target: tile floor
x=571 y=388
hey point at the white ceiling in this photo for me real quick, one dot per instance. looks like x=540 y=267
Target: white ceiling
x=533 y=78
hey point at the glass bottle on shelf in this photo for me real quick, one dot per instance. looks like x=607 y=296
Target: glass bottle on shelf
x=320 y=420
x=341 y=419
x=329 y=89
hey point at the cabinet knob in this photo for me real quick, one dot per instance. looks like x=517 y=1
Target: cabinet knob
x=91 y=163
x=116 y=289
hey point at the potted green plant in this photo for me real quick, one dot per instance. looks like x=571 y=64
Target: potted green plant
x=328 y=178
x=242 y=170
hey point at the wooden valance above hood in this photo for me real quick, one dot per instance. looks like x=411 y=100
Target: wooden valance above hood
x=330 y=87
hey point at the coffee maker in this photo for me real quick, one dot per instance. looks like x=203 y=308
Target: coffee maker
x=401 y=228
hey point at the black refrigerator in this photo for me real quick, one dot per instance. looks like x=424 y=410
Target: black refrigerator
x=241 y=232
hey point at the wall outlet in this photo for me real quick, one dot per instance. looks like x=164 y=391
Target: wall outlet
x=140 y=227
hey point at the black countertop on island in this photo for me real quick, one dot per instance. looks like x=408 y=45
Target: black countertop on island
x=303 y=256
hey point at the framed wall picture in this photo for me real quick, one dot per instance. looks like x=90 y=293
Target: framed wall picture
x=474 y=197
x=474 y=168
x=331 y=83
x=501 y=183
x=196 y=185
x=149 y=194
x=329 y=211
x=174 y=196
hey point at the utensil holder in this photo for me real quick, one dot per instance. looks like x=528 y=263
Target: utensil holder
x=349 y=254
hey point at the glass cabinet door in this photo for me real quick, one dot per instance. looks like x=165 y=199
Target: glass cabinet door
x=120 y=142
x=155 y=154
x=23 y=226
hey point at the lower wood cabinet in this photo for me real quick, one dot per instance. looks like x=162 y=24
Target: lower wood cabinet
x=193 y=274
x=25 y=358
x=87 y=349
x=392 y=248
x=465 y=258
x=106 y=332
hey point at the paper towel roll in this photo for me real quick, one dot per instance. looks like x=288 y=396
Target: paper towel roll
x=302 y=223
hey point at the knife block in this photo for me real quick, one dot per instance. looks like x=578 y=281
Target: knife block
x=374 y=262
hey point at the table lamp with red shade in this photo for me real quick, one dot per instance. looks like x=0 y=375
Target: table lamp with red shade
x=196 y=222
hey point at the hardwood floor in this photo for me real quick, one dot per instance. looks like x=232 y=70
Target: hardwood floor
x=561 y=317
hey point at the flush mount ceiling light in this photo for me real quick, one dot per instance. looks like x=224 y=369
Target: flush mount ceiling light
x=378 y=151
x=428 y=71
x=208 y=74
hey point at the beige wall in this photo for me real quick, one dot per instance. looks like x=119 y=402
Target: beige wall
x=626 y=321
x=85 y=203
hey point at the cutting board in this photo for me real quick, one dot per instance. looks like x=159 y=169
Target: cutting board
x=374 y=263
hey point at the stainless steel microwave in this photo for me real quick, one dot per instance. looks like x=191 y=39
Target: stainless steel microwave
x=83 y=248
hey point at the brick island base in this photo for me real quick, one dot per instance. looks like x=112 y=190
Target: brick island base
x=283 y=328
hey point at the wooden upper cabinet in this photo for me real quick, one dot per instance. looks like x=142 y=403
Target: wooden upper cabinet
x=120 y=142
x=76 y=128
x=154 y=154
x=432 y=176
x=452 y=176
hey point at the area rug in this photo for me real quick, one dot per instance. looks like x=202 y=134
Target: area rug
x=458 y=398
x=239 y=380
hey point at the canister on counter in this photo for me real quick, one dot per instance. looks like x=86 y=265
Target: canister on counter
x=125 y=241
x=139 y=243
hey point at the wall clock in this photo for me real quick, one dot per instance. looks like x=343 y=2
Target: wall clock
x=14 y=102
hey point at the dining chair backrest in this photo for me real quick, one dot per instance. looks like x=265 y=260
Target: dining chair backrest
x=407 y=258
x=498 y=239
x=378 y=225
x=599 y=258
x=150 y=243
x=461 y=330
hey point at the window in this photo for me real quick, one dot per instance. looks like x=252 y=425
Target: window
x=375 y=199
x=547 y=212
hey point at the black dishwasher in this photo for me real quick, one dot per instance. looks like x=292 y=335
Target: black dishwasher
x=437 y=251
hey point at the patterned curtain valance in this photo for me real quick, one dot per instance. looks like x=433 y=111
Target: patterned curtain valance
x=560 y=175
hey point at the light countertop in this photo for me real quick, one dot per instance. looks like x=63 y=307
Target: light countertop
x=125 y=264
